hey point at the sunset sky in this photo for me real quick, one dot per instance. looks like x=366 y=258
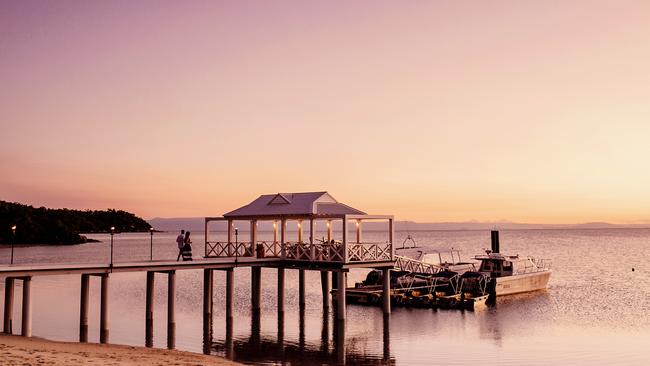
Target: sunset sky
x=529 y=111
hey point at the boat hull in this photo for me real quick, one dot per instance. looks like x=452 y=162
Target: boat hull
x=517 y=284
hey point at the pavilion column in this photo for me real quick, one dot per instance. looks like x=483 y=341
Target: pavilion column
x=345 y=239
x=83 y=308
x=329 y=231
x=26 y=329
x=9 y=305
x=358 y=231
x=312 y=248
x=391 y=235
x=301 y=273
x=253 y=237
x=275 y=231
x=229 y=252
x=283 y=237
x=329 y=240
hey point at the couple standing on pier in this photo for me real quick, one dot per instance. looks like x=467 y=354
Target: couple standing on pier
x=184 y=248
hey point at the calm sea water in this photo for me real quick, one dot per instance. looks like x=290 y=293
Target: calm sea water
x=596 y=310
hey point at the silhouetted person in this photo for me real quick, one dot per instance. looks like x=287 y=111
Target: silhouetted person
x=186 y=252
x=180 y=242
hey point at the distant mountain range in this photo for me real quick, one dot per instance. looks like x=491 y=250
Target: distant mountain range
x=197 y=224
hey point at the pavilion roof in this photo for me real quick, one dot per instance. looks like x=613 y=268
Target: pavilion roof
x=294 y=204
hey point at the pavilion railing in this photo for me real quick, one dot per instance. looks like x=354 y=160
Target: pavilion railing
x=369 y=252
x=317 y=252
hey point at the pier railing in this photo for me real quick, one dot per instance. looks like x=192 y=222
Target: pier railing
x=224 y=249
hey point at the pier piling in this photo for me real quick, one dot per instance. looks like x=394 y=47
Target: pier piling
x=83 y=308
x=104 y=311
x=386 y=290
x=280 y=291
x=149 y=309
x=340 y=292
x=256 y=288
x=9 y=305
x=301 y=288
x=171 y=307
x=26 y=328
x=208 y=279
x=230 y=287
x=325 y=288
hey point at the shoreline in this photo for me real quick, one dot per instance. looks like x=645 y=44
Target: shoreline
x=18 y=350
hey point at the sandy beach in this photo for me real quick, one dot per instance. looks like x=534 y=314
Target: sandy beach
x=15 y=350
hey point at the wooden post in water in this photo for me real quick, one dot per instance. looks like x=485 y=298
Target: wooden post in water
x=9 y=305
x=230 y=287
x=148 y=311
x=26 y=329
x=171 y=309
x=83 y=308
x=325 y=287
x=386 y=292
x=104 y=312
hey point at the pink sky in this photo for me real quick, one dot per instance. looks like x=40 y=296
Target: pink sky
x=534 y=111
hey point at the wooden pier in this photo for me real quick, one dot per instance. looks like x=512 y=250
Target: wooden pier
x=332 y=258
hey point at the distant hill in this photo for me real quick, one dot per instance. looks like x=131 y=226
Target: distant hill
x=62 y=226
x=197 y=224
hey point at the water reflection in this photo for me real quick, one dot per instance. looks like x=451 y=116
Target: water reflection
x=257 y=348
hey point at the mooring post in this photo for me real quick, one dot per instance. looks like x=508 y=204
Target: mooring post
x=386 y=292
x=26 y=329
x=83 y=308
x=9 y=305
x=171 y=305
x=301 y=288
x=325 y=287
x=256 y=284
x=340 y=303
x=207 y=299
x=280 y=291
x=104 y=313
x=148 y=324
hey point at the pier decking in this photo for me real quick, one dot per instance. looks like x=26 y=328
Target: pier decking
x=332 y=258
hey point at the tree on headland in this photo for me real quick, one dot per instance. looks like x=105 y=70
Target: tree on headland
x=62 y=226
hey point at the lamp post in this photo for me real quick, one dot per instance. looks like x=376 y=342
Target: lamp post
x=112 y=232
x=151 y=251
x=13 y=241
